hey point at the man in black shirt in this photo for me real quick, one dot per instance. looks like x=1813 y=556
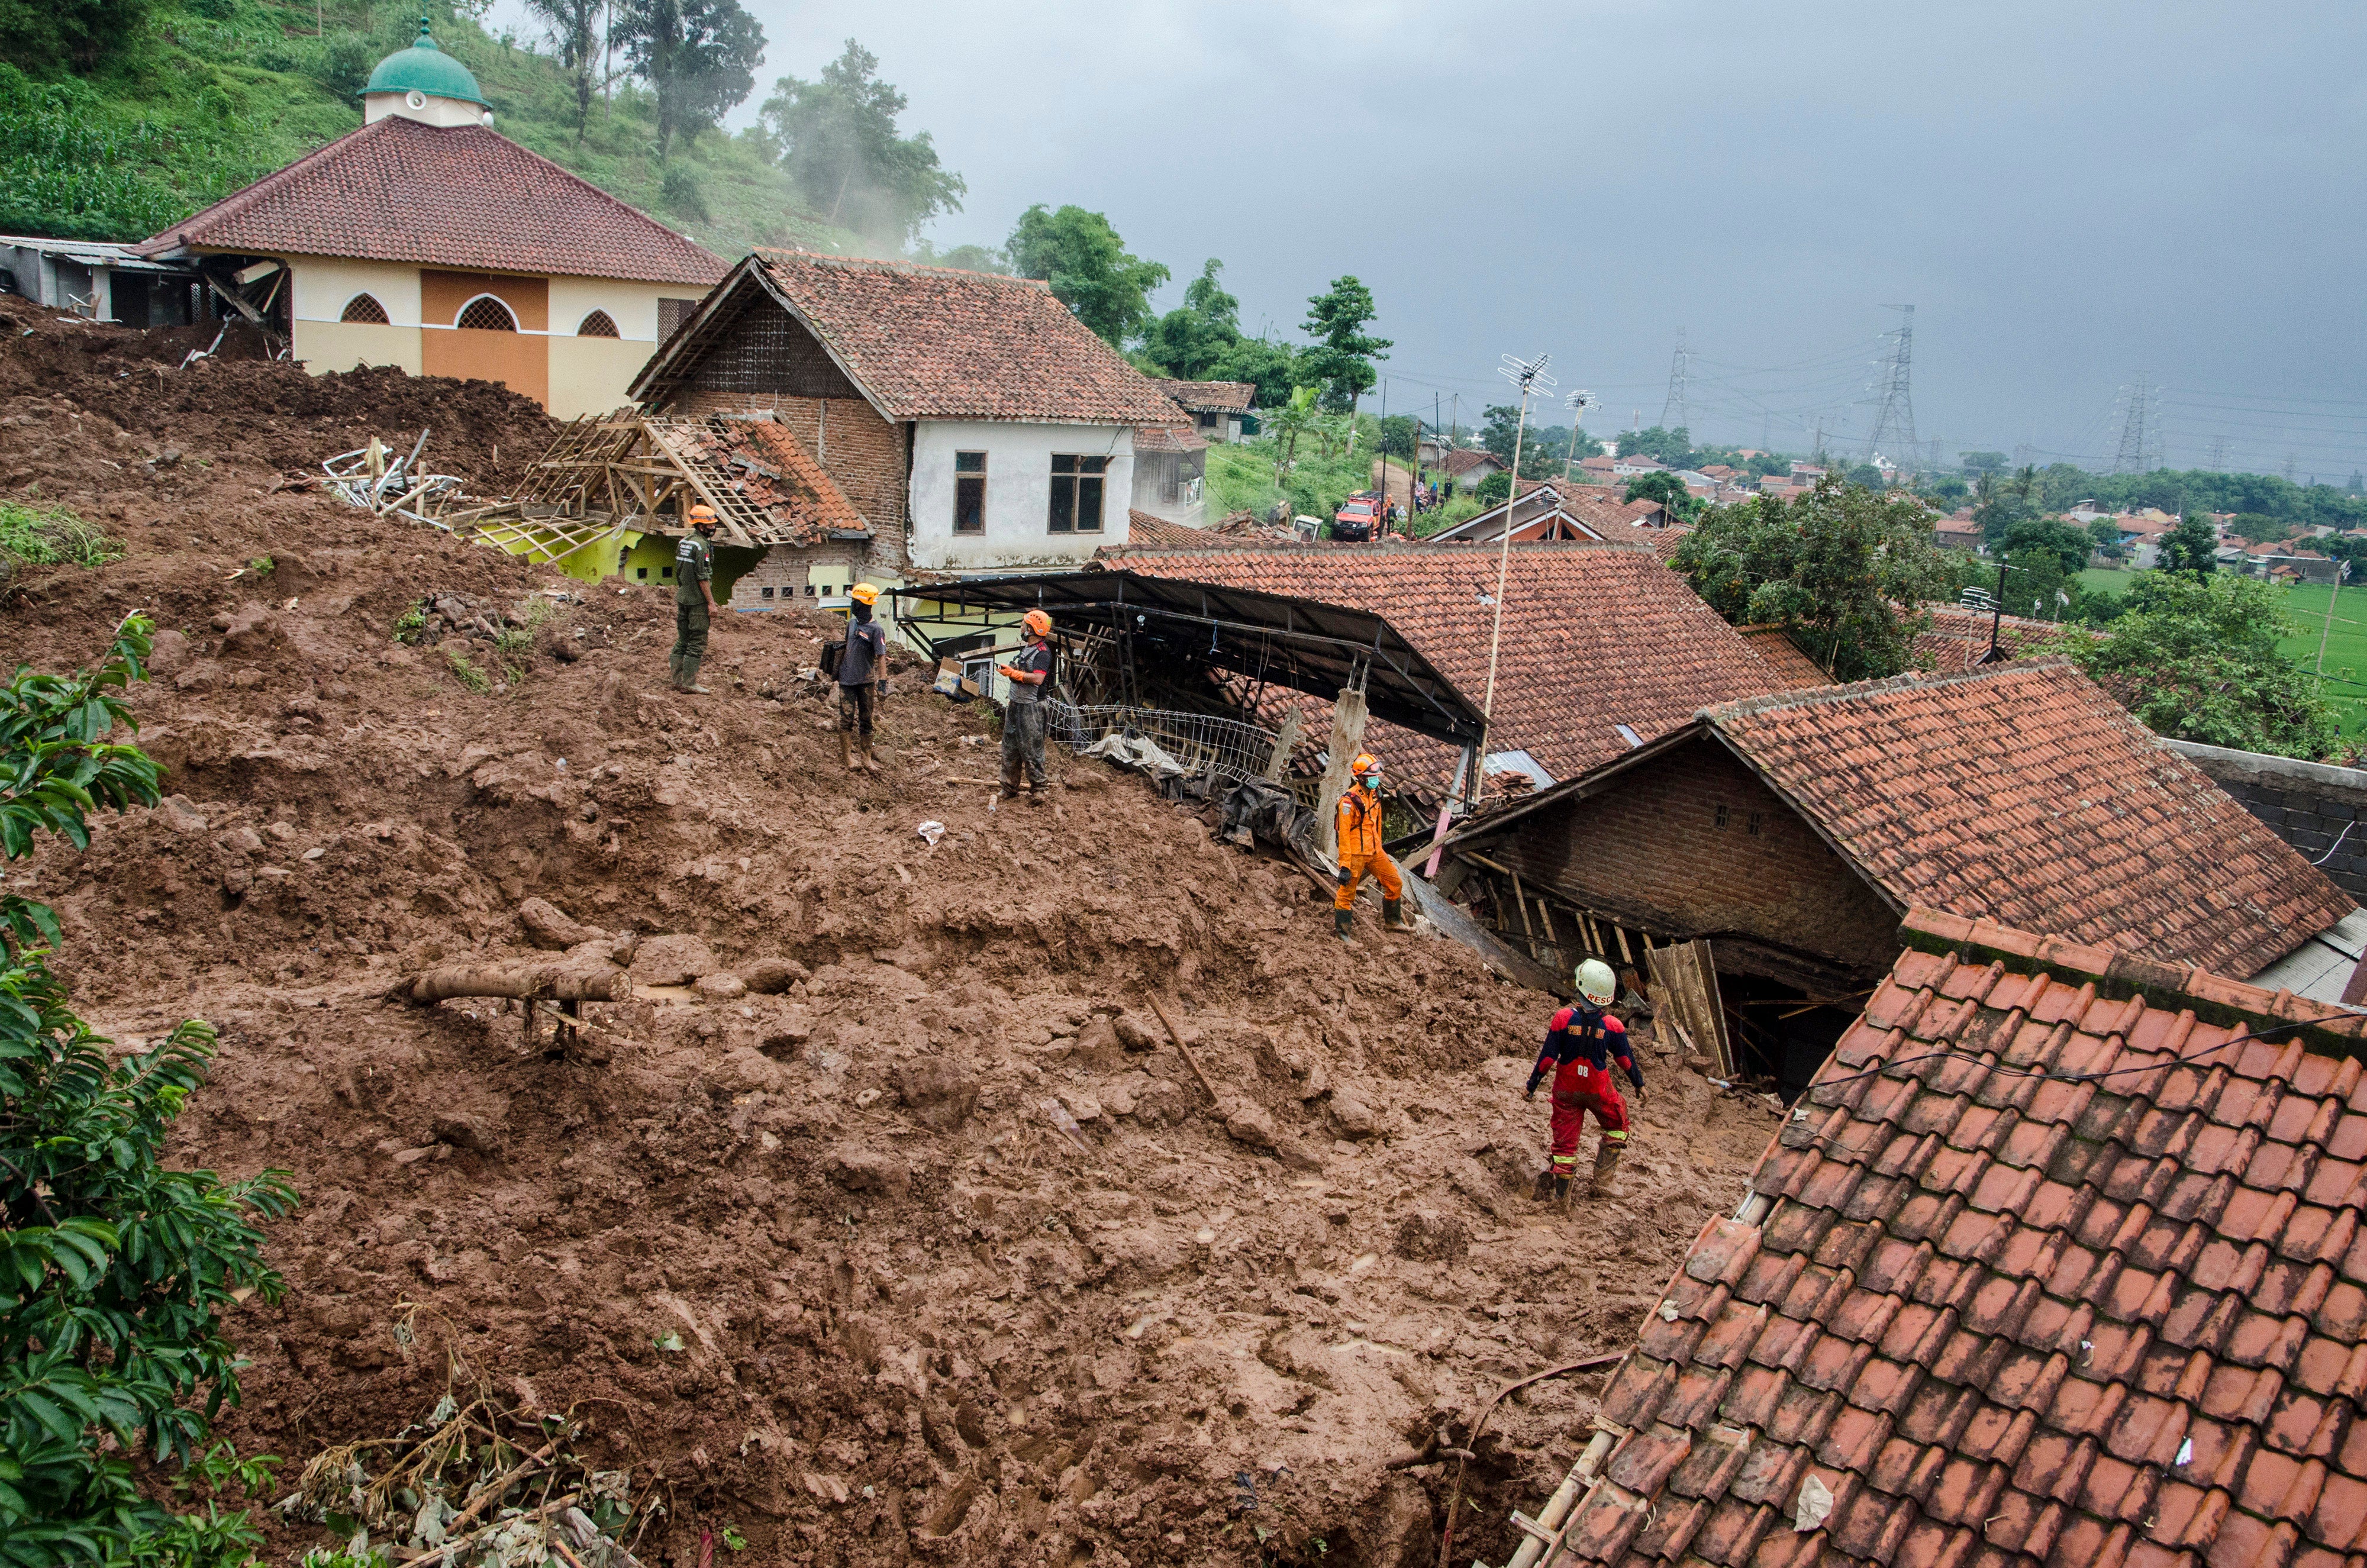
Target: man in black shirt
x=862 y=678
x=1022 y=716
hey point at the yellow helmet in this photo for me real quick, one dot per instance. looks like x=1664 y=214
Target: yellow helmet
x=864 y=594
x=1038 y=623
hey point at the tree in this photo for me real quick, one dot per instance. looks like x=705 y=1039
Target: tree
x=2195 y=657
x=698 y=56
x=962 y=258
x=2190 y=548
x=1089 y=268
x=2106 y=535
x=1343 y=353
x=1843 y=570
x=2002 y=504
x=575 y=29
x=117 y=1267
x=1670 y=492
x=1673 y=449
x=43 y=38
x=1191 y=342
x=839 y=145
x=1271 y=367
x=2258 y=529
x=1982 y=462
x=1495 y=490
x=1397 y=435
x=1294 y=416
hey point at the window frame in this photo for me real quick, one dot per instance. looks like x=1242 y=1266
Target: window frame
x=1085 y=469
x=605 y=319
x=346 y=317
x=963 y=479
x=461 y=315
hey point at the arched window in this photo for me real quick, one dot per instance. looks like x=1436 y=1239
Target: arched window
x=365 y=308
x=487 y=314
x=599 y=324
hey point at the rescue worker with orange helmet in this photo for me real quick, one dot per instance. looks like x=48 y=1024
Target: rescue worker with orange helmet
x=1359 y=843
x=862 y=680
x=1029 y=671
x=694 y=599
x=1582 y=1043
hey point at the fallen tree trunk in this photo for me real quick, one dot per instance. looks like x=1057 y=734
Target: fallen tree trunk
x=524 y=982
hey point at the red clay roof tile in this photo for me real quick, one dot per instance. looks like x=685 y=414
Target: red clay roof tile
x=1214 y=396
x=443 y=195
x=2089 y=1403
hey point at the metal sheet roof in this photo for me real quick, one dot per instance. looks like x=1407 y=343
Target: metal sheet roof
x=1303 y=644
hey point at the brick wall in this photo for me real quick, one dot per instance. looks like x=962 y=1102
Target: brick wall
x=863 y=454
x=1691 y=843
x=2320 y=810
x=791 y=573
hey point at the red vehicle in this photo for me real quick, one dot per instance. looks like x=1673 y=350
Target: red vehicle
x=1360 y=517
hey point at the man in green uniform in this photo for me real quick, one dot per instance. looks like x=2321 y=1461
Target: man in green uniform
x=694 y=601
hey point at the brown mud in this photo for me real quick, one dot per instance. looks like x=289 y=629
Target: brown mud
x=915 y=1317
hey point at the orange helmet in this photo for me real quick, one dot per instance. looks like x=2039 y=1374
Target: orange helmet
x=702 y=517
x=1038 y=623
x=1366 y=766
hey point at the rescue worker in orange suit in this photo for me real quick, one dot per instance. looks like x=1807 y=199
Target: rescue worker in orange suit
x=1360 y=850
x=1580 y=1044
x=1022 y=715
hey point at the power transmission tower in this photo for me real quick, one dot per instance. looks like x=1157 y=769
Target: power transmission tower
x=2218 y=464
x=1766 y=431
x=2023 y=453
x=2290 y=461
x=2135 y=448
x=1894 y=419
x=1674 y=415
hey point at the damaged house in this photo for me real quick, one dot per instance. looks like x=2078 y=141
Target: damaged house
x=972 y=422
x=1792 y=832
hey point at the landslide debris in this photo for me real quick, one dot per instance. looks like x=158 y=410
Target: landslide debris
x=885 y=1221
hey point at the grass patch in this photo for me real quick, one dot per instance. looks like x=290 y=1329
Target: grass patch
x=469 y=674
x=2101 y=579
x=2346 y=647
x=50 y=536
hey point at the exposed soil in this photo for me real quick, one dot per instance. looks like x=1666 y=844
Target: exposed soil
x=916 y=1317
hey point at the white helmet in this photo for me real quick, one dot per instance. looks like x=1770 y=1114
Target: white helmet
x=1596 y=983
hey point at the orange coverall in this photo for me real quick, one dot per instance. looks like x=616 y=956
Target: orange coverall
x=1360 y=848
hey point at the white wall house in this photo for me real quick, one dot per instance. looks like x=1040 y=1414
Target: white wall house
x=1008 y=497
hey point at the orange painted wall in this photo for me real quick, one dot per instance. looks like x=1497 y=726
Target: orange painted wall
x=519 y=360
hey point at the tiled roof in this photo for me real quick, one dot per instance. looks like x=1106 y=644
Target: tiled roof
x=798 y=492
x=1146 y=530
x=2024 y=793
x=2050 y=1265
x=1595 y=636
x=1957 y=638
x=443 y=195
x=932 y=342
x=1793 y=670
x=1663 y=542
x=1211 y=397
x=1461 y=461
x=1169 y=438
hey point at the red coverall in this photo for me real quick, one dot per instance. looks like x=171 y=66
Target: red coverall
x=1580 y=1044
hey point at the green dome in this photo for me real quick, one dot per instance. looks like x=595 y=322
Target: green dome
x=426 y=69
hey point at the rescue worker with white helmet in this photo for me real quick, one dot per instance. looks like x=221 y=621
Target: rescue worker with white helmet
x=1359 y=845
x=1580 y=1044
x=1029 y=671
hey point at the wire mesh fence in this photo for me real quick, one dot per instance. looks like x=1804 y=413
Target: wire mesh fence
x=1223 y=752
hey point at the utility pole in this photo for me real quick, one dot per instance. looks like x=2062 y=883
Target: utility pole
x=1893 y=418
x=1674 y=414
x=2341 y=570
x=1526 y=375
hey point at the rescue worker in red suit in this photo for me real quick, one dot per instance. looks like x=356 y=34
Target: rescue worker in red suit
x=1580 y=1044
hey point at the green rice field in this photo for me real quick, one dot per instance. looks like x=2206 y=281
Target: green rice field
x=2346 y=645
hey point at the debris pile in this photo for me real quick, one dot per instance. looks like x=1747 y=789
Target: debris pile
x=373 y=477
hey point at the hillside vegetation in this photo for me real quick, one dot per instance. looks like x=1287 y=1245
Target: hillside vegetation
x=211 y=94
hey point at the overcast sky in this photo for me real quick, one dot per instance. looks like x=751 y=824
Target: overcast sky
x=2072 y=193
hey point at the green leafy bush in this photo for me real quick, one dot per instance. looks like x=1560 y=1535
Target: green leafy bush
x=32 y=534
x=117 y=1269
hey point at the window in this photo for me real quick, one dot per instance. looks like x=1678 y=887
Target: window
x=1077 y=484
x=969 y=492
x=1721 y=816
x=365 y=308
x=486 y=314
x=1208 y=419
x=672 y=313
x=599 y=324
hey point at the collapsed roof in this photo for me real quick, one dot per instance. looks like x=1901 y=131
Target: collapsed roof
x=646 y=472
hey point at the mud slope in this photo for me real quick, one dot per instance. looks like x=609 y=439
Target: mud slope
x=916 y=1317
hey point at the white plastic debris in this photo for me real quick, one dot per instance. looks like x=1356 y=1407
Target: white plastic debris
x=931 y=832
x=1058 y=1114
x=2185 y=1454
x=1815 y=1506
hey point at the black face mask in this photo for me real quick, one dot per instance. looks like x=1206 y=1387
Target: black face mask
x=863 y=612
